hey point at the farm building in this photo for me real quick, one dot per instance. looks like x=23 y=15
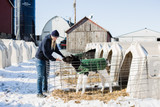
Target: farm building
x=83 y=32
x=56 y=23
x=25 y=19
x=146 y=35
x=6 y=18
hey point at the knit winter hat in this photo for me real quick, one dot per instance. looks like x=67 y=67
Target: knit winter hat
x=55 y=33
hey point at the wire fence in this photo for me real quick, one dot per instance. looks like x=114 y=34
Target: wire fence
x=129 y=77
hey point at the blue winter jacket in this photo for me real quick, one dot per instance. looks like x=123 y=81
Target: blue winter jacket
x=44 y=51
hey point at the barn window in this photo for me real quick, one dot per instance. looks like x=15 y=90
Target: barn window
x=90 y=27
x=158 y=39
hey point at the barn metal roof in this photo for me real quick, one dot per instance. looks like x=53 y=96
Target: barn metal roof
x=90 y=21
x=142 y=32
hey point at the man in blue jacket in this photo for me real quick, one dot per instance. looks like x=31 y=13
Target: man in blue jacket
x=44 y=53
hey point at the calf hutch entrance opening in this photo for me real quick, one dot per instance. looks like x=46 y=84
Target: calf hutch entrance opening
x=101 y=54
x=124 y=70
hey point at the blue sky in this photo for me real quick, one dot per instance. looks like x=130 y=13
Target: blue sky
x=117 y=16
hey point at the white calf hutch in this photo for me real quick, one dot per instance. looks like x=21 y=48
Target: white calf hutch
x=3 y=55
x=98 y=48
x=105 y=50
x=133 y=70
x=33 y=49
x=24 y=51
x=115 y=58
x=8 y=53
x=16 y=56
x=140 y=71
x=13 y=52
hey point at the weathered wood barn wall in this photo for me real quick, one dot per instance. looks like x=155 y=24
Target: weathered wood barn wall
x=83 y=32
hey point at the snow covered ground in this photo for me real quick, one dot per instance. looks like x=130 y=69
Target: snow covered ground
x=18 y=89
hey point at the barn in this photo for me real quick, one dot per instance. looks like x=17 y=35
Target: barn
x=56 y=23
x=143 y=35
x=6 y=18
x=83 y=32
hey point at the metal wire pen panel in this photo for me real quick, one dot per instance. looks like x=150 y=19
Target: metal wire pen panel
x=132 y=79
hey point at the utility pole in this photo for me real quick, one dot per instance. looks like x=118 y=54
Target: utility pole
x=74 y=5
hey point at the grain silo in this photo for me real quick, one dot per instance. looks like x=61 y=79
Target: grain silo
x=25 y=20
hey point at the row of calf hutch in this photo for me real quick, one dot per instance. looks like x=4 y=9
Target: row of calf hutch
x=13 y=52
x=137 y=65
